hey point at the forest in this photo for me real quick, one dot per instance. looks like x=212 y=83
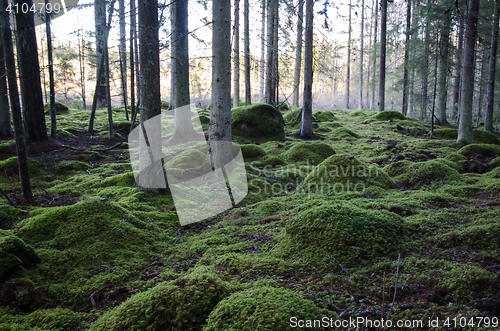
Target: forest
x=249 y=165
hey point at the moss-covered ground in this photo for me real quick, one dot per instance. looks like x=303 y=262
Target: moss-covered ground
x=376 y=220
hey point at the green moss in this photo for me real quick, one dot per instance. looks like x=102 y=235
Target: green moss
x=495 y=162
x=46 y=319
x=483 y=149
x=258 y=121
x=446 y=133
x=182 y=304
x=35 y=166
x=456 y=158
x=323 y=116
x=15 y=252
x=429 y=172
x=343 y=133
x=480 y=136
x=293 y=115
x=389 y=115
x=125 y=179
x=271 y=160
x=10 y=215
x=396 y=168
x=261 y=308
x=311 y=152
x=60 y=108
x=251 y=151
x=357 y=113
x=67 y=166
x=342 y=173
x=187 y=159
x=7 y=148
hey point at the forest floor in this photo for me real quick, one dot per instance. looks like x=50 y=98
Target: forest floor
x=414 y=240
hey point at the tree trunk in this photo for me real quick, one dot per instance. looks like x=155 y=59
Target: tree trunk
x=348 y=73
x=100 y=26
x=262 y=62
x=246 y=42
x=458 y=70
x=236 y=55
x=306 y=129
x=374 y=73
x=53 y=120
x=81 y=58
x=404 y=110
x=270 y=95
x=275 y=72
x=111 y=133
x=361 y=55
x=10 y=65
x=29 y=74
x=383 y=28
x=5 y=124
x=298 y=54
x=442 y=92
x=123 y=53
x=465 y=126
x=490 y=98
x=411 y=83
x=150 y=161
x=484 y=61
x=425 y=70
x=133 y=110
x=173 y=55
x=368 y=71
x=220 y=115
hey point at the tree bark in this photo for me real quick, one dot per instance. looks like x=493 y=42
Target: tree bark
x=404 y=110
x=100 y=26
x=220 y=115
x=465 y=134
x=236 y=55
x=306 y=129
x=383 y=29
x=123 y=52
x=5 y=124
x=29 y=74
x=246 y=42
x=262 y=62
x=442 y=92
x=374 y=73
x=348 y=73
x=425 y=70
x=81 y=59
x=53 y=120
x=298 y=53
x=20 y=136
x=361 y=55
x=133 y=110
x=490 y=98
x=270 y=95
x=458 y=70
x=482 y=78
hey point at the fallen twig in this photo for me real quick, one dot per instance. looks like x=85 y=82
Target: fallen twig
x=5 y=195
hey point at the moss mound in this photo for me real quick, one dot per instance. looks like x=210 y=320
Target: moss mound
x=389 y=115
x=66 y=166
x=456 y=158
x=341 y=173
x=333 y=229
x=396 y=168
x=480 y=136
x=15 y=252
x=429 y=172
x=357 y=113
x=272 y=160
x=7 y=148
x=311 y=152
x=251 y=151
x=261 y=308
x=293 y=115
x=483 y=149
x=323 y=116
x=9 y=215
x=495 y=162
x=60 y=108
x=35 y=166
x=182 y=304
x=258 y=121
x=343 y=133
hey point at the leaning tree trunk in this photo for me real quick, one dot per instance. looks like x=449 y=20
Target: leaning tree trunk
x=29 y=74
x=383 y=29
x=306 y=129
x=246 y=42
x=374 y=73
x=348 y=73
x=298 y=54
x=465 y=134
x=442 y=92
x=361 y=55
x=236 y=55
x=490 y=98
x=220 y=115
x=10 y=65
x=404 y=110
x=5 y=124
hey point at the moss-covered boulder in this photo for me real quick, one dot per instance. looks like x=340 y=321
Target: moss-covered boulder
x=483 y=149
x=429 y=172
x=458 y=159
x=182 y=304
x=258 y=121
x=272 y=161
x=310 y=152
x=262 y=308
x=343 y=133
x=335 y=229
x=389 y=115
x=15 y=252
x=323 y=116
x=60 y=108
x=480 y=136
x=251 y=151
x=342 y=173
x=294 y=114
x=35 y=166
